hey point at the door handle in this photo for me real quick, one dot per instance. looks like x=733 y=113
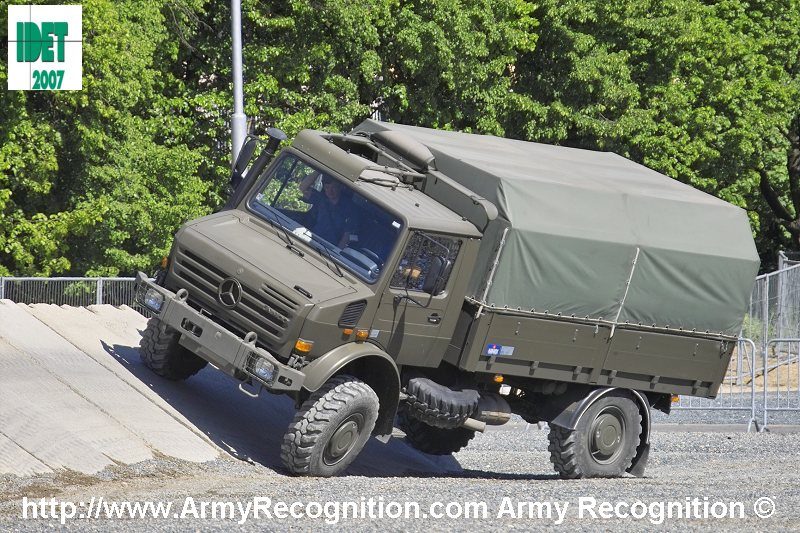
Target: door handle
x=434 y=318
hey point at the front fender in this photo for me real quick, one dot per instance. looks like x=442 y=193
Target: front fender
x=323 y=368
x=368 y=363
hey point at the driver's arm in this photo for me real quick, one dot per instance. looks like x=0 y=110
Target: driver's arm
x=305 y=185
x=344 y=242
x=350 y=235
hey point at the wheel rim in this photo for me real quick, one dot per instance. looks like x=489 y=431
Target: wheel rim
x=607 y=435
x=343 y=439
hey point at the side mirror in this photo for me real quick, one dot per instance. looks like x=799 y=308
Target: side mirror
x=435 y=280
x=243 y=161
x=247 y=167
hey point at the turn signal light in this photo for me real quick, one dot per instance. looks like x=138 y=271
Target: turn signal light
x=675 y=398
x=362 y=334
x=498 y=378
x=303 y=346
x=164 y=262
x=348 y=331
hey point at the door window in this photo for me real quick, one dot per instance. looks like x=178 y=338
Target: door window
x=415 y=265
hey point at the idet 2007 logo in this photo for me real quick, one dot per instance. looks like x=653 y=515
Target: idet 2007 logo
x=45 y=48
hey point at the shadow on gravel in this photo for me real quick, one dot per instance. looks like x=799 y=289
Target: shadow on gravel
x=251 y=429
x=480 y=474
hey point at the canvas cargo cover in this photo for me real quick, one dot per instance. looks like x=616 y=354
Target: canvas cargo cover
x=582 y=224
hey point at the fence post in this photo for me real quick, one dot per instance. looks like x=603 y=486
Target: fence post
x=765 y=316
x=765 y=383
x=739 y=362
x=99 y=291
x=2 y=287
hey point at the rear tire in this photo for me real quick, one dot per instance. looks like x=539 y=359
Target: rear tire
x=604 y=442
x=331 y=428
x=160 y=352
x=432 y=440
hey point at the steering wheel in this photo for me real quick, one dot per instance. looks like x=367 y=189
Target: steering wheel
x=363 y=260
x=372 y=255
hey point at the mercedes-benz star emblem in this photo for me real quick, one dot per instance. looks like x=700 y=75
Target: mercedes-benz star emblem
x=229 y=292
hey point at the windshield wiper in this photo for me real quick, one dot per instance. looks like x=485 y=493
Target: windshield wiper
x=322 y=249
x=272 y=218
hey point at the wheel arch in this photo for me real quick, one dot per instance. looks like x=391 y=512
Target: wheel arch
x=578 y=402
x=368 y=363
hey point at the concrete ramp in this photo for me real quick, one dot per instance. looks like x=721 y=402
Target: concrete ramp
x=78 y=411
x=74 y=395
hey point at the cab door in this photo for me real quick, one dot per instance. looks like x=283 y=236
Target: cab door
x=415 y=326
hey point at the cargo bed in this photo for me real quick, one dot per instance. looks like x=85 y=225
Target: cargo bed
x=515 y=343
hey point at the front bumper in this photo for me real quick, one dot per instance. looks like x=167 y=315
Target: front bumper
x=215 y=344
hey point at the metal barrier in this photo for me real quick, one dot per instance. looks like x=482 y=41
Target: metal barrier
x=71 y=291
x=774 y=311
x=736 y=393
x=787 y=259
x=781 y=377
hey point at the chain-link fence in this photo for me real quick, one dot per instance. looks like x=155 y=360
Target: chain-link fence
x=71 y=291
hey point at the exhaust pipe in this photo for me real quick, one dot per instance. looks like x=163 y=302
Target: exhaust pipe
x=492 y=410
x=474 y=425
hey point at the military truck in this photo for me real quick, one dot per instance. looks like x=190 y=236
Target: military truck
x=444 y=281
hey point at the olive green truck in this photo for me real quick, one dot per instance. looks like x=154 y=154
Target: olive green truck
x=443 y=281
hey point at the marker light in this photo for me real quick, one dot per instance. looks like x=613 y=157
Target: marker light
x=303 y=347
x=498 y=378
x=362 y=334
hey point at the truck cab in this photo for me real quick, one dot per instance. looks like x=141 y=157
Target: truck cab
x=325 y=263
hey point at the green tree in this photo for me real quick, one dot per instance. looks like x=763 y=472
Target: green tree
x=703 y=92
x=96 y=181
x=329 y=64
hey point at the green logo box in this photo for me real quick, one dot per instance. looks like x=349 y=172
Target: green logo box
x=45 y=47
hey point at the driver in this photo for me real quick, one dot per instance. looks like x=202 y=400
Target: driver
x=332 y=212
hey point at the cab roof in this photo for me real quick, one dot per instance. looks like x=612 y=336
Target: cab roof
x=420 y=211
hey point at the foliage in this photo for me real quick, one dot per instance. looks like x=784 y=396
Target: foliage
x=703 y=92
x=97 y=181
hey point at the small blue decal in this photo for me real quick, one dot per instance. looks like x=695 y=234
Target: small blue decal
x=499 y=350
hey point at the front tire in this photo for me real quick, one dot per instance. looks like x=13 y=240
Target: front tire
x=160 y=352
x=331 y=428
x=432 y=440
x=604 y=442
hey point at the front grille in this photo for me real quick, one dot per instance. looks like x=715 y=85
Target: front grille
x=265 y=309
x=351 y=314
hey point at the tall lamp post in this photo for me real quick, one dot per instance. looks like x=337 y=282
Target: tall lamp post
x=239 y=119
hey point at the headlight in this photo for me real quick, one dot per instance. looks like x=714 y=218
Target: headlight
x=153 y=300
x=264 y=369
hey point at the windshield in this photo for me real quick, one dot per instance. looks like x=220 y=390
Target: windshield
x=329 y=215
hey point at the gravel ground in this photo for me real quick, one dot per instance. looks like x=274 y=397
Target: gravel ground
x=498 y=468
